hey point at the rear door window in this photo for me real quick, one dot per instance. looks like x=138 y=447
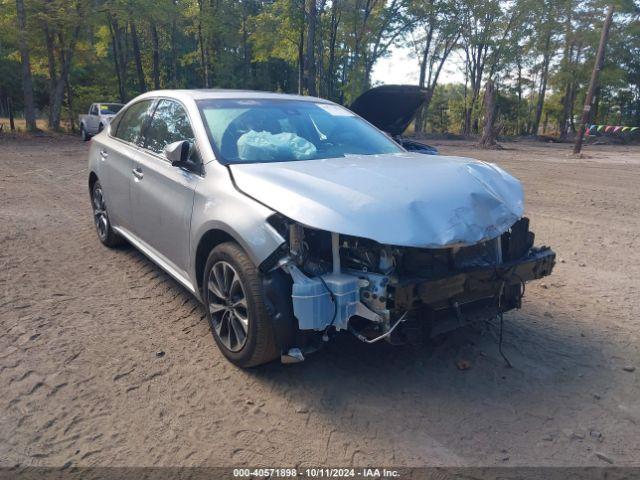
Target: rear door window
x=133 y=120
x=169 y=124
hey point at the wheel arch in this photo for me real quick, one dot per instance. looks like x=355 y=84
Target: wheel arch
x=276 y=285
x=208 y=241
x=93 y=178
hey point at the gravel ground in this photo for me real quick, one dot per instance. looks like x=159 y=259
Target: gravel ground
x=105 y=360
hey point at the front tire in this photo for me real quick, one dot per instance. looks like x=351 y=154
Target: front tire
x=233 y=298
x=106 y=234
x=83 y=133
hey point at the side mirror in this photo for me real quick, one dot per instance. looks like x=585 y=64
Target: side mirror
x=178 y=152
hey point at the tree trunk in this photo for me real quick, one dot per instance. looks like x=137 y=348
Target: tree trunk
x=246 y=51
x=476 y=70
x=465 y=124
x=301 y=62
x=142 y=85
x=155 y=56
x=567 y=64
x=420 y=117
x=72 y=124
x=66 y=55
x=27 y=81
x=467 y=116
x=310 y=58
x=543 y=83
x=572 y=121
x=203 y=57
x=566 y=111
x=519 y=105
x=488 y=140
x=53 y=75
x=333 y=35
x=116 y=59
x=174 y=55
x=12 y=124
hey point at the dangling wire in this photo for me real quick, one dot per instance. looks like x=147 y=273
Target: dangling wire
x=501 y=318
x=325 y=334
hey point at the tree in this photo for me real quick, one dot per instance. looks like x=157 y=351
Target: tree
x=489 y=133
x=136 y=55
x=437 y=32
x=310 y=59
x=486 y=26
x=61 y=25
x=535 y=53
x=27 y=82
x=546 y=26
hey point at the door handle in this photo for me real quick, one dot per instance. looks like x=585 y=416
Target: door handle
x=104 y=153
x=137 y=172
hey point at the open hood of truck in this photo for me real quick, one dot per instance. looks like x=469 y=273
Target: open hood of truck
x=404 y=199
x=391 y=108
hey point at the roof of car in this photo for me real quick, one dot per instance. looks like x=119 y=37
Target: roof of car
x=215 y=93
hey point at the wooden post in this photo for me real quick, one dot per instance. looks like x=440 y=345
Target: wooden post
x=588 y=101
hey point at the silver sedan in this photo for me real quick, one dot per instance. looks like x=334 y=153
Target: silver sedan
x=293 y=219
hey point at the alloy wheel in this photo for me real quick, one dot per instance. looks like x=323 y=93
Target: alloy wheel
x=228 y=306
x=100 y=214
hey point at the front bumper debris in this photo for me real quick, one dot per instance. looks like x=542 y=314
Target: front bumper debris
x=475 y=283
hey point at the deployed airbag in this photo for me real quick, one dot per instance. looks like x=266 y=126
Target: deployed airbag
x=264 y=146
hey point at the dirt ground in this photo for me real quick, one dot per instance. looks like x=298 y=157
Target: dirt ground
x=105 y=360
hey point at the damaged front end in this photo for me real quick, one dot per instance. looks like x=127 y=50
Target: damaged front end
x=320 y=282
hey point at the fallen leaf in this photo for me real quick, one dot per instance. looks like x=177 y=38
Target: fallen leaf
x=463 y=364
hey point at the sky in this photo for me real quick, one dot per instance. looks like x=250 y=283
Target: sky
x=401 y=67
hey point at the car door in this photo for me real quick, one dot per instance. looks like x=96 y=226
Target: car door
x=117 y=152
x=161 y=194
x=92 y=119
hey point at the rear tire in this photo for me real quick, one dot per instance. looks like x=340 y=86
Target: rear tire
x=106 y=234
x=233 y=298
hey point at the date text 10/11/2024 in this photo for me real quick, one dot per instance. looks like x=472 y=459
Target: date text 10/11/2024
x=315 y=473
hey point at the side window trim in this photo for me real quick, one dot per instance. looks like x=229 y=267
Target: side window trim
x=142 y=140
x=143 y=146
x=123 y=112
x=155 y=101
x=160 y=156
x=186 y=112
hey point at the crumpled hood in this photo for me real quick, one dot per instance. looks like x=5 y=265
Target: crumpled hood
x=404 y=199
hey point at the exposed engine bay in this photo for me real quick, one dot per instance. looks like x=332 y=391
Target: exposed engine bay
x=402 y=294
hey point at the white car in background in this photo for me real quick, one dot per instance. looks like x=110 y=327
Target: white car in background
x=99 y=116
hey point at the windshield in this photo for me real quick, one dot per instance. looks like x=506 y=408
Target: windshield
x=110 y=108
x=247 y=131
